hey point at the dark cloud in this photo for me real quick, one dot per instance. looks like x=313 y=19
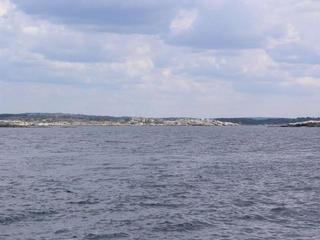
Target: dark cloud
x=139 y=16
x=295 y=53
x=228 y=25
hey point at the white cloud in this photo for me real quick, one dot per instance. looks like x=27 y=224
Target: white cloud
x=33 y=30
x=308 y=81
x=4 y=7
x=138 y=66
x=209 y=58
x=183 y=21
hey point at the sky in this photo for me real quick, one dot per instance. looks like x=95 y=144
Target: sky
x=161 y=58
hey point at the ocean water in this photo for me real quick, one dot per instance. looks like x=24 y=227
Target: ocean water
x=160 y=183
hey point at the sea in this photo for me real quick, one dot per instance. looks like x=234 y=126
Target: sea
x=160 y=182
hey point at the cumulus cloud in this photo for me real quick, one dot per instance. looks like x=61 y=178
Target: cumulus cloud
x=5 y=7
x=150 y=57
x=183 y=21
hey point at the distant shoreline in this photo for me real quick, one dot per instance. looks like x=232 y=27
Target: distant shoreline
x=72 y=123
x=27 y=120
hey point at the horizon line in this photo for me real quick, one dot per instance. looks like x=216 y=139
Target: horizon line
x=128 y=116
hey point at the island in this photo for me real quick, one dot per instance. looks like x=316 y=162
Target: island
x=26 y=120
x=69 y=120
x=311 y=123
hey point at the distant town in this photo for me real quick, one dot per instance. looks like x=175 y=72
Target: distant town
x=69 y=120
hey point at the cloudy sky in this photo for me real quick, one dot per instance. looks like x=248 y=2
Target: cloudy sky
x=199 y=58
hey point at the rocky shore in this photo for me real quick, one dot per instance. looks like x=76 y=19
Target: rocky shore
x=115 y=122
x=70 y=120
x=303 y=124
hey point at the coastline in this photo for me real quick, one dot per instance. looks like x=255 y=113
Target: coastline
x=43 y=120
x=131 y=122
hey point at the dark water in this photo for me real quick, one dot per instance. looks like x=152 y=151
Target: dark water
x=160 y=183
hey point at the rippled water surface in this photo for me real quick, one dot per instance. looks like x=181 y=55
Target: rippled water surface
x=160 y=183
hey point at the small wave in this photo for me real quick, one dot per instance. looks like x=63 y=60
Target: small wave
x=41 y=213
x=92 y=236
x=168 y=226
x=299 y=188
x=84 y=202
x=278 y=209
x=114 y=141
x=284 y=212
x=253 y=217
x=61 y=231
x=153 y=164
x=154 y=185
x=114 y=168
x=243 y=203
x=35 y=215
x=304 y=189
x=161 y=205
x=6 y=220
